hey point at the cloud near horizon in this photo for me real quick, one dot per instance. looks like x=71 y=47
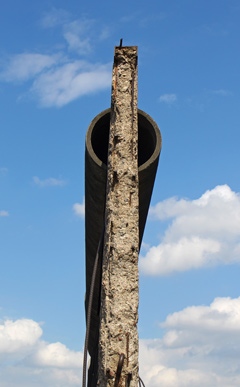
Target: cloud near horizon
x=202 y=232
x=59 y=78
x=27 y=359
x=199 y=347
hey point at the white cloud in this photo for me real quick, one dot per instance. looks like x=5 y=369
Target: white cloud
x=18 y=335
x=79 y=209
x=77 y=36
x=61 y=85
x=202 y=232
x=50 y=182
x=23 y=67
x=57 y=355
x=75 y=32
x=185 y=254
x=56 y=80
x=4 y=213
x=168 y=98
x=26 y=359
x=223 y=315
x=200 y=347
x=62 y=77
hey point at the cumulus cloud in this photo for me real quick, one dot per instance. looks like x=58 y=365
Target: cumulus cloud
x=26 y=359
x=200 y=347
x=57 y=355
x=66 y=75
x=168 y=98
x=18 y=335
x=202 y=232
x=50 y=182
x=79 y=209
x=222 y=316
x=4 y=213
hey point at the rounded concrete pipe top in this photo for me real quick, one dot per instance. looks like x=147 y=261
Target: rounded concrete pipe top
x=149 y=139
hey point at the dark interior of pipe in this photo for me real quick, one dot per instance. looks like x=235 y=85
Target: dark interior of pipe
x=146 y=138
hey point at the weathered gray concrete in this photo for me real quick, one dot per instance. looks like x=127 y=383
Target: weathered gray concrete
x=119 y=309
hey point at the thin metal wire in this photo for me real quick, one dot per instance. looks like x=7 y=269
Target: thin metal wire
x=119 y=369
x=141 y=384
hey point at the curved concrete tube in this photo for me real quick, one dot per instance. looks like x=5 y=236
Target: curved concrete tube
x=96 y=154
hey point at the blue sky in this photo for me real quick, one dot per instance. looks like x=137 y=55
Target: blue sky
x=55 y=76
